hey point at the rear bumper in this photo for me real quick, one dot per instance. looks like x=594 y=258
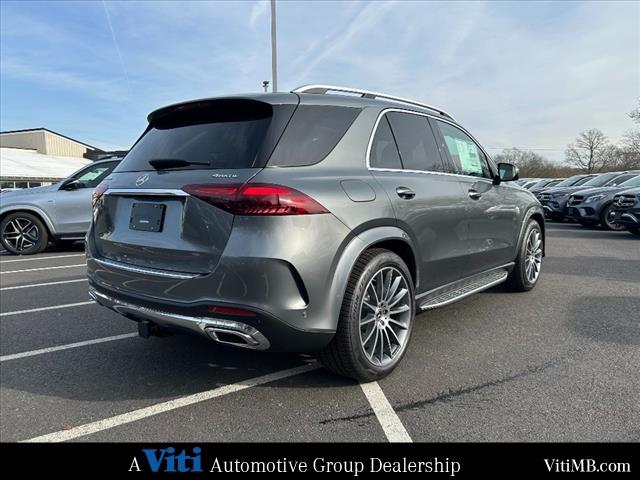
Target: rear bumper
x=259 y=332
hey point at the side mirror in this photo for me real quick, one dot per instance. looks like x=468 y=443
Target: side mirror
x=507 y=172
x=70 y=184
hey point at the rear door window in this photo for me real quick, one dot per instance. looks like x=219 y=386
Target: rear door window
x=416 y=143
x=467 y=157
x=314 y=130
x=384 y=152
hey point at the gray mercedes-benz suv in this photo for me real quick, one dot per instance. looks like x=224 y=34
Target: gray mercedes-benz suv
x=307 y=221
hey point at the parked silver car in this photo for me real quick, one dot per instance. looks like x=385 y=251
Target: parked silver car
x=61 y=212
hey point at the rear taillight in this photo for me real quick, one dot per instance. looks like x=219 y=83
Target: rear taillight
x=256 y=199
x=98 y=192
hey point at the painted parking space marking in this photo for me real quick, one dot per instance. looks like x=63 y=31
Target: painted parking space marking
x=42 y=309
x=58 y=348
x=42 y=258
x=45 y=284
x=388 y=418
x=43 y=268
x=142 y=413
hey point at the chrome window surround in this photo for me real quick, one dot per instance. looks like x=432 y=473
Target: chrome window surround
x=377 y=169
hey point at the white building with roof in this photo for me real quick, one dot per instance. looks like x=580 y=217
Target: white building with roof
x=39 y=156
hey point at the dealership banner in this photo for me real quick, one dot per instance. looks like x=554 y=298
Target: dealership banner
x=455 y=460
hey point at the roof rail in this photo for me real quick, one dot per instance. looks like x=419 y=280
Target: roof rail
x=324 y=89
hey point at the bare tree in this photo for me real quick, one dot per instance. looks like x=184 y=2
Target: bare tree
x=591 y=151
x=635 y=113
x=531 y=164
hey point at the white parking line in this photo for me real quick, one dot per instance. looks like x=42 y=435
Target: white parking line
x=389 y=420
x=42 y=309
x=44 y=268
x=32 y=353
x=107 y=423
x=46 y=284
x=42 y=258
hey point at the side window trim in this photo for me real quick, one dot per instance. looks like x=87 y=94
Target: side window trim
x=431 y=118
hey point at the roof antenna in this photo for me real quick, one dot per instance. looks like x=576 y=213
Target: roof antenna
x=265 y=85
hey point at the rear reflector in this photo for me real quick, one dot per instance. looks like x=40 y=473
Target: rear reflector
x=256 y=199
x=240 y=312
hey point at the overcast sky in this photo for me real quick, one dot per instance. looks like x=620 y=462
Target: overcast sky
x=529 y=75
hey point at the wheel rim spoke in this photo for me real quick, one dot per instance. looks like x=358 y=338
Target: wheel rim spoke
x=21 y=234
x=385 y=316
x=533 y=256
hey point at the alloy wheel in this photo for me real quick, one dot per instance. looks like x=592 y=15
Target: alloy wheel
x=533 y=257
x=21 y=234
x=385 y=316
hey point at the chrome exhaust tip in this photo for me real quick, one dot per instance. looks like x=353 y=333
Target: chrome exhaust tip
x=244 y=336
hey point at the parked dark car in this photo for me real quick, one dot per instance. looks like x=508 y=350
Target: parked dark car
x=554 y=199
x=626 y=210
x=594 y=206
x=307 y=221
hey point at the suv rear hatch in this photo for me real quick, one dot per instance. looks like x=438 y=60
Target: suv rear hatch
x=147 y=217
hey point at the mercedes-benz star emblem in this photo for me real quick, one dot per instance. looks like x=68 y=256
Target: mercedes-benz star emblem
x=142 y=179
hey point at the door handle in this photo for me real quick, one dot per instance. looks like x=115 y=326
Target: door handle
x=473 y=193
x=405 y=192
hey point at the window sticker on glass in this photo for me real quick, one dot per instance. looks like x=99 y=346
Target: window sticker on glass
x=469 y=158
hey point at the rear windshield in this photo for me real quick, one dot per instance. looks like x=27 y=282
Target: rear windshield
x=220 y=134
x=313 y=132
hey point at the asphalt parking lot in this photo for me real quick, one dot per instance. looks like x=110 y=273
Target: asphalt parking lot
x=560 y=363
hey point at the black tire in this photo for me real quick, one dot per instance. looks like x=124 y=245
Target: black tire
x=605 y=221
x=518 y=281
x=23 y=233
x=345 y=354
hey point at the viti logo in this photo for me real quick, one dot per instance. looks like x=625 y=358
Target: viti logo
x=168 y=461
x=142 y=179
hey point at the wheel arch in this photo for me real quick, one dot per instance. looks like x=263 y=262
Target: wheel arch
x=535 y=212
x=41 y=214
x=389 y=237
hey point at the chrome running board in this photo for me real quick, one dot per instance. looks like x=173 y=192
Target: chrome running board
x=458 y=290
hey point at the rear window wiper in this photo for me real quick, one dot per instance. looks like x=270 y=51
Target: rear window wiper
x=163 y=163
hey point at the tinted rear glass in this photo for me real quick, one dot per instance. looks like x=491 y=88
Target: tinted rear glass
x=384 y=152
x=221 y=134
x=417 y=145
x=313 y=132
